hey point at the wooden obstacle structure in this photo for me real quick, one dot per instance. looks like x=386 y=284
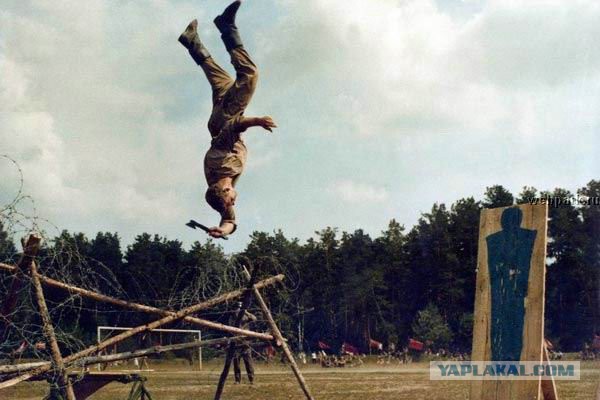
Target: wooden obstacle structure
x=509 y=300
x=75 y=387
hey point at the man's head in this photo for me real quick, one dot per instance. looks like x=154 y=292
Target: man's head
x=221 y=198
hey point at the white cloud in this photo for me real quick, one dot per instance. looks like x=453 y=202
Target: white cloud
x=406 y=67
x=29 y=136
x=83 y=109
x=259 y=160
x=360 y=193
x=106 y=113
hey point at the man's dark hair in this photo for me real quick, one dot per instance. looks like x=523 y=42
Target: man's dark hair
x=215 y=197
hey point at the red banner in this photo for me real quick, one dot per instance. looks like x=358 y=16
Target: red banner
x=348 y=348
x=375 y=345
x=323 y=345
x=415 y=345
x=596 y=342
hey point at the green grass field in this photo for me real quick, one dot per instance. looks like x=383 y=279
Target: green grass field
x=173 y=381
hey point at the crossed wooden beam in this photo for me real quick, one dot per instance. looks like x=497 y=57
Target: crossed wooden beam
x=27 y=266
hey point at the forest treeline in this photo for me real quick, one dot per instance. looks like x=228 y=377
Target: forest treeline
x=345 y=286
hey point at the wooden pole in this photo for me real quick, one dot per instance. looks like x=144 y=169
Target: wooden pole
x=16 y=368
x=548 y=385
x=280 y=339
x=83 y=362
x=62 y=377
x=153 y=310
x=125 y=335
x=232 y=346
x=155 y=350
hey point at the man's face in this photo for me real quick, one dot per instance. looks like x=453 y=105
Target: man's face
x=229 y=196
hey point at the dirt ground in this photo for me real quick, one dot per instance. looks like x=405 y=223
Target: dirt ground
x=175 y=381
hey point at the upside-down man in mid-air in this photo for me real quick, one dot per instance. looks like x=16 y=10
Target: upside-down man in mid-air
x=224 y=161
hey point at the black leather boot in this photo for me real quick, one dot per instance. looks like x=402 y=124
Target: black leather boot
x=191 y=41
x=226 y=25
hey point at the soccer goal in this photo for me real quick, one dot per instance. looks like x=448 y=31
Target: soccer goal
x=154 y=337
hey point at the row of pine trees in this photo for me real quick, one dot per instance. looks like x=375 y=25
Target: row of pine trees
x=342 y=286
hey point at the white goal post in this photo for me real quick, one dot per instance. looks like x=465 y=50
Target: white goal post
x=198 y=334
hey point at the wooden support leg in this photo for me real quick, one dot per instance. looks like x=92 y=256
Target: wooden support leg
x=232 y=346
x=280 y=339
x=548 y=386
x=57 y=360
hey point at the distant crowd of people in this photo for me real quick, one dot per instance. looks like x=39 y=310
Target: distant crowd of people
x=591 y=351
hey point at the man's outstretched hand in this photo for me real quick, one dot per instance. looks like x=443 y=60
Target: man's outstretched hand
x=216 y=232
x=267 y=123
x=222 y=231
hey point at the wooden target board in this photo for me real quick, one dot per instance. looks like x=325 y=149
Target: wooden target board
x=509 y=298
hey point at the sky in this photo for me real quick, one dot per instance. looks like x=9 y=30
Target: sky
x=384 y=107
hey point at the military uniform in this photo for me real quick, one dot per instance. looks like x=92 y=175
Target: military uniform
x=243 y=351
x=226 y=156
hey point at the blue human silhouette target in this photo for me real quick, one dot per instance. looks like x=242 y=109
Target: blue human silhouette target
x=509 y=260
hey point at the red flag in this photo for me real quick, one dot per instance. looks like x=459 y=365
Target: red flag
x=323 y=345
x=415 y=345
x=21 y=348
x=348 y=348
x=374 y=344
x=596 y=342
x=270 y=351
